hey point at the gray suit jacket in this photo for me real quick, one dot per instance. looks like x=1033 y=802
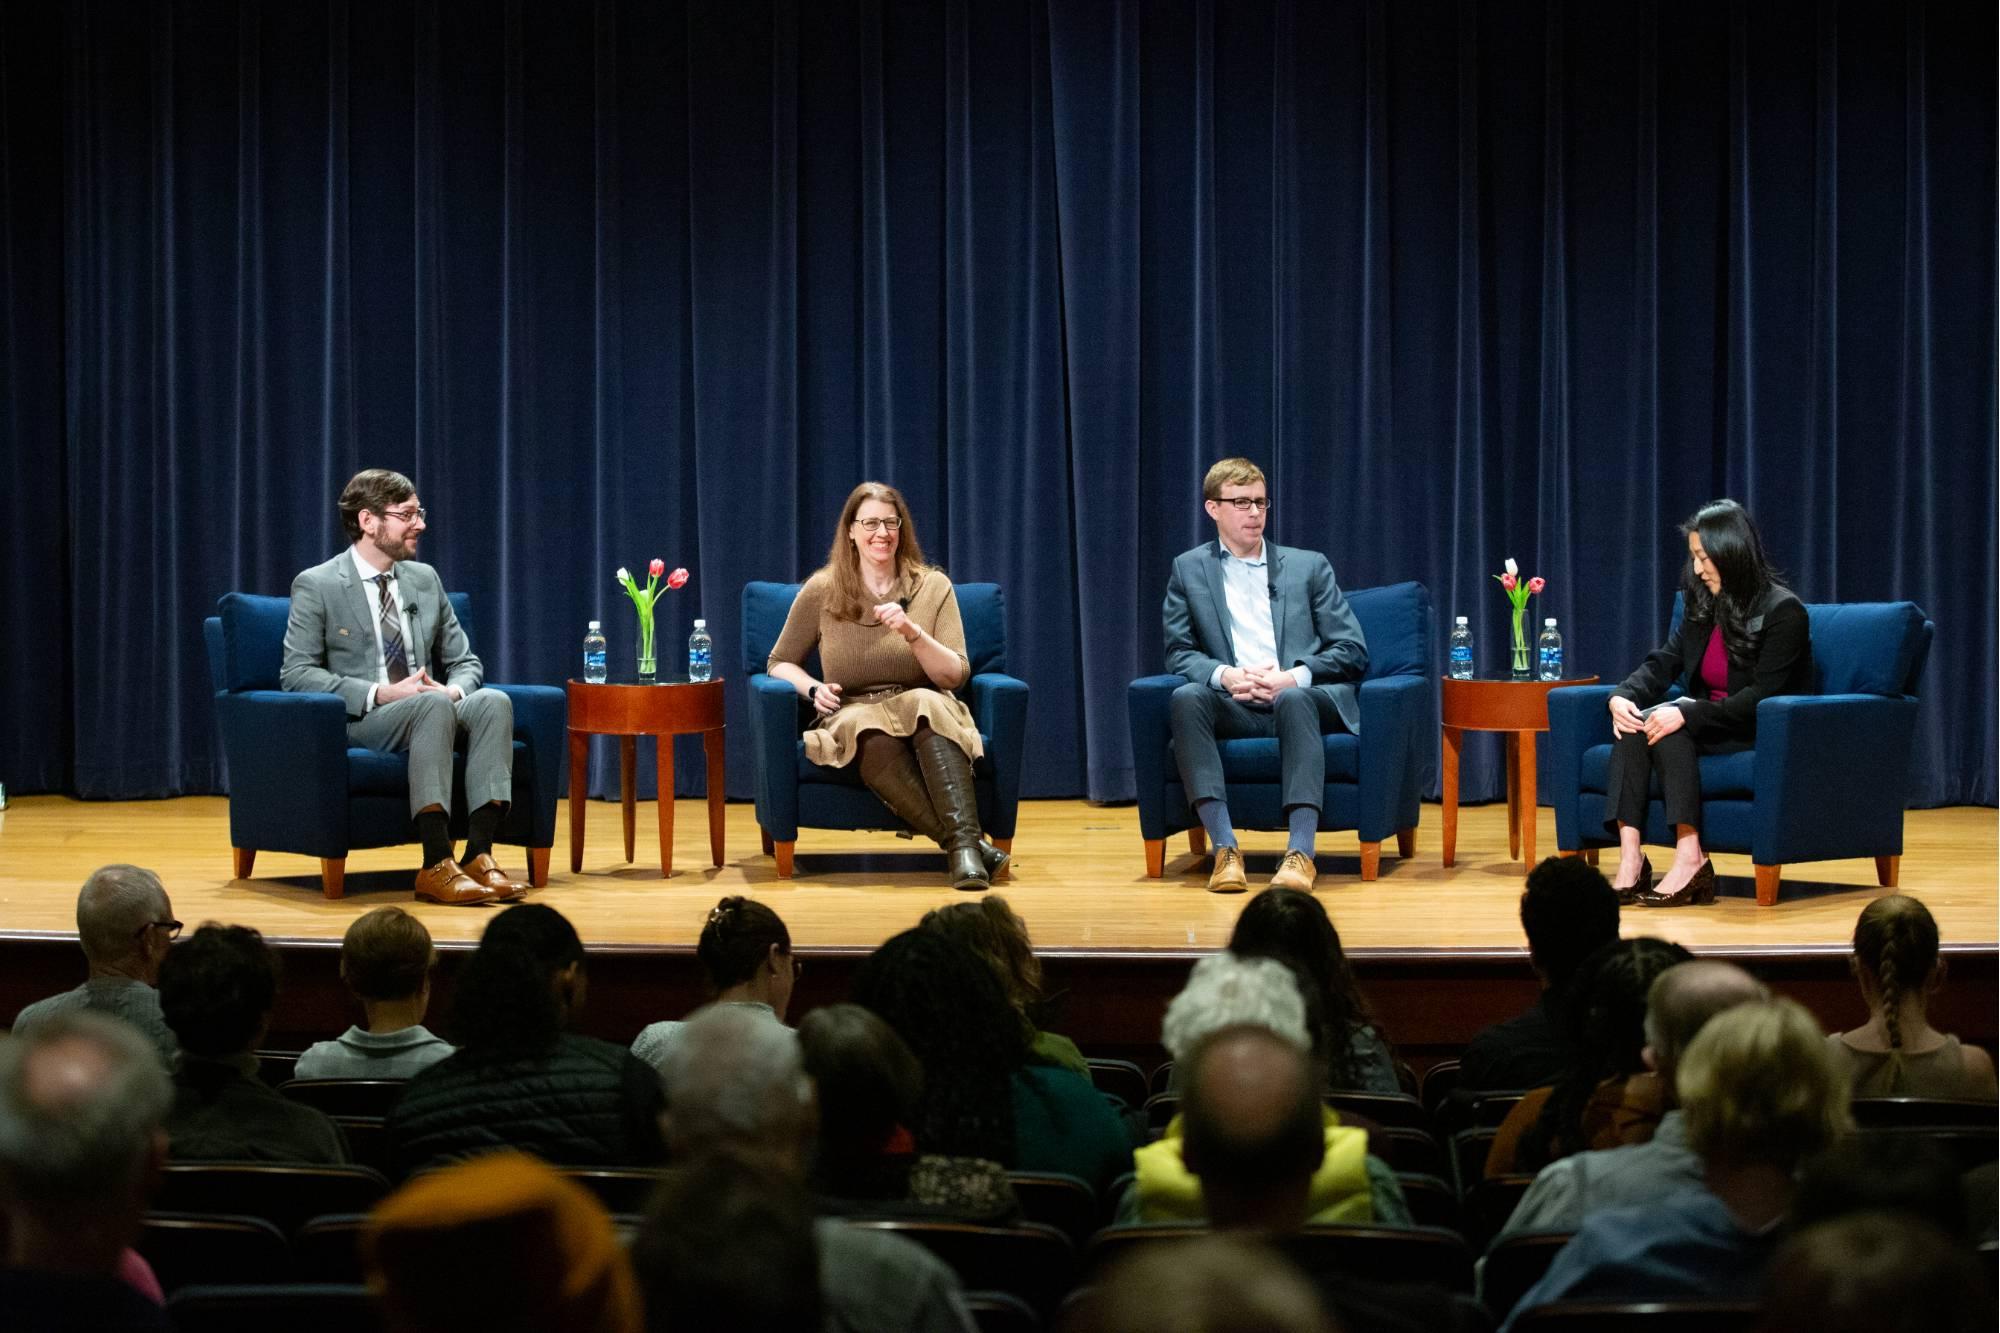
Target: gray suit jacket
x=1315 y=627
x=330 y=638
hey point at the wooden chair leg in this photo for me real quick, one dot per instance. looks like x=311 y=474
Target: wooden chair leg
x=765 y=834
x=1006 y=845
x=246 y=857
x=538 y=867
x=1406 y=842
x=1590 y=855
x=1156 y=857
x=1371 y=859
x=1888 y=869
x=1767 y=885
x=1198 y=841
x=783 y=851
x=333 y=875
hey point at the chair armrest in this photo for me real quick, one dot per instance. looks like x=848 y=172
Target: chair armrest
x=287 y=756
x=1396 y=732
x=774 y=739
x=999 y=705
x=541 y=716
x=1832 y=776
x=1149 y=703
x=1579 y=718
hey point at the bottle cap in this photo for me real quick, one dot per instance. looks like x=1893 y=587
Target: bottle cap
x=596 y=625
x=701 y=624
x=1550 y=622
x=1461 y=620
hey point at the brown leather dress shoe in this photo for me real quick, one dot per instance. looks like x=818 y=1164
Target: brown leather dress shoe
x=446 y=883
x=1296 y=871
x=1228 y=876
x=482 y=869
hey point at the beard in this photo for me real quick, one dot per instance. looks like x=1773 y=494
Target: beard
x=397 y=550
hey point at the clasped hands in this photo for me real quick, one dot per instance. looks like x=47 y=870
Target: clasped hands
x=1625 y=720
x=417 y=682
x=1258 y=684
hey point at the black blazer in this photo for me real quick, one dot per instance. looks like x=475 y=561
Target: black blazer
x=1783 y=666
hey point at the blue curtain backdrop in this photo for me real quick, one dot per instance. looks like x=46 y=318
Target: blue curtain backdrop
x=618 y=280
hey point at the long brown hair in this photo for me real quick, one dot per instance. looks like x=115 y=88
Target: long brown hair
x=849 y=599
x=1896 y=943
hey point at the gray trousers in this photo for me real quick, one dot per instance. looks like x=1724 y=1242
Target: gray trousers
x=1300 y=720
x=428 y=726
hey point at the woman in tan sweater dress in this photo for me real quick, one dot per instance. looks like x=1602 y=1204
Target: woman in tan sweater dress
x=892 y=650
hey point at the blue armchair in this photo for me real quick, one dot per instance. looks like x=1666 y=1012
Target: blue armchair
x=1373 y=780
x=1827 y=778
x=296 y=785
x=792 y=790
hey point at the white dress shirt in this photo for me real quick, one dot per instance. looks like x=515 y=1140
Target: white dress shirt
x=368 y=573
x=1246 y=590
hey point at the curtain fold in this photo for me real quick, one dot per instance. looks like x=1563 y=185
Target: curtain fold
x=625 y=280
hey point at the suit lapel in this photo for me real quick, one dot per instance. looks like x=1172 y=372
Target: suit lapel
x=1218 y=601
x=361 y=606
x=1273 y=566
x=413 y=606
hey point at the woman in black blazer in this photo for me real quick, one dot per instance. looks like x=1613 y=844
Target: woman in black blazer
x=1743 y=637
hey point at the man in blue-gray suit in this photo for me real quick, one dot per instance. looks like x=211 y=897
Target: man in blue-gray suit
x=1269 y=648
x=373 y=626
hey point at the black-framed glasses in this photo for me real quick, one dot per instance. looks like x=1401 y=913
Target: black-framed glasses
x=173 y=929
x=877 y=524
x=1244 y=503
x=413 y=515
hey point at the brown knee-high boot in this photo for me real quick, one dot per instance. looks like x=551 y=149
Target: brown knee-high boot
x=888 y=766
x=948 y=776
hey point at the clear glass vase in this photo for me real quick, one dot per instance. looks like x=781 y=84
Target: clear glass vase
x=1523 y=668
x=648 y=663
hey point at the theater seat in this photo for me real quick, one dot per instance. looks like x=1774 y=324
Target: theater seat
x=292 y=1308
x=191 y=1249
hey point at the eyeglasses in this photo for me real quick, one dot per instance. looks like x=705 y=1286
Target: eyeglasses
x=1244 y=504
x=406 y=515
x=878 y=524
x=798 y=968
x=173 y=929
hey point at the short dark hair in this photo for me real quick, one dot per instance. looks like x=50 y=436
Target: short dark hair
x=373 y=489
x=1567 y=910
x=504 y=1000
x=736 y=939
x=386 y=955
x=730 y=1236
x=216 y=987
x=869 y=1082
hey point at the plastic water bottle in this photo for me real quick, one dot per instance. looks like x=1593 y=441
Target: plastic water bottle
x=1549 y=651
x=593 y=654
x=701 y=649
x=1461 y=650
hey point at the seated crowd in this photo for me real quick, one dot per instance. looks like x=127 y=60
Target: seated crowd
x=1688 y=1132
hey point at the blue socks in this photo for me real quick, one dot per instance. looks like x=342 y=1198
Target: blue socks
x=1214 y=816
x=1302 y=823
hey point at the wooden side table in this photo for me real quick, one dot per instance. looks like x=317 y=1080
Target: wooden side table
x=629 y=710
x=1520 y=708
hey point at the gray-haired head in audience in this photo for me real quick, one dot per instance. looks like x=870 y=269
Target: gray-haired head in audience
x=113 y=910
x=735 y=1079
x=1225 y=991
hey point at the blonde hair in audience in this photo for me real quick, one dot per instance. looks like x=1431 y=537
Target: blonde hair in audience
x=1758 y=1086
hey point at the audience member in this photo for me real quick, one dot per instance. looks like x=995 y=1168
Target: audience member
x=735 y=1083
x=1882 y=1174
x=1876 y=1273
x=498 y=1243
x=745 y=954
x=981 y=1097
x=82 y=1104
x=1761 y=1095
x=1604 y=1097
x=1898 y=1053
x=992 y=929
x=1252 y=1133
x=1568 y=911
x=386 y=960
x=125 y=925
x=519 y=1078
x=216 y=992
x=1294 y=928
x=729 y=1243
x=866 y=1159
x=1570 y=1189
x=1227 y=994
x=1218 y=1284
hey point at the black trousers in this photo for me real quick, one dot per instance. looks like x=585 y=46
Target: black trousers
x=1300 y=719
x=1633 y=762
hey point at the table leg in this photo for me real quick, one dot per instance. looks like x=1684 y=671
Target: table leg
x=663 y=759
x=628 y=784
x=1513 y=767
x=579 y=781
x=711 y=745
x=1527 y=785
x=1454 y=741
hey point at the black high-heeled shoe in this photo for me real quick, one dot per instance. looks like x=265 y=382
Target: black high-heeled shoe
x=1643 y=886
x=1699 y=891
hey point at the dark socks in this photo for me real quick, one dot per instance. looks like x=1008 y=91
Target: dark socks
x=435 y=831
x=480 y=826
x=1214 y=816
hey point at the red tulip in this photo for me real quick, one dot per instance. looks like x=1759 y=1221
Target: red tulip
x=1536 y=584
x=677 y=578
x=657 y=568
x=1507 y=581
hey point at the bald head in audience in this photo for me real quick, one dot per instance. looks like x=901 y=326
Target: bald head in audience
x=119 y=916
x=1219 y=1284
x=1681 y=1001
x=1251 y=1127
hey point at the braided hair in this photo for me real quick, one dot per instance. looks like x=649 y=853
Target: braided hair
x=736 y=939
x=1605 y=1014
x=1896 y=943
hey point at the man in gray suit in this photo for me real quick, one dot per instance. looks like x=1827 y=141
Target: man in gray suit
x=373 y=626
x=1270 y=648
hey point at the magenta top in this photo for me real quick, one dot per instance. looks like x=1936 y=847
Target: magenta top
x=1714 y=669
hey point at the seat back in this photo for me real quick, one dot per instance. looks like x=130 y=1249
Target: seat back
x=1064 y=1202
x=1861 y=647
x=1428 y=1255
x=1400 y=626
x=1030 y=1261
x=1640 y=1317
x=252 y=639
x=1119 y=1078
x=296 y=1308
x=1937 y=1112
x=346 y=1096
x=982 y=607
x=328 y=1248
x=187 y=1249
x=1515 y=1265
x=284 y=1195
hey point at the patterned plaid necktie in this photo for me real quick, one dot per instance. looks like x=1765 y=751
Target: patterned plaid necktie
x=394 y=657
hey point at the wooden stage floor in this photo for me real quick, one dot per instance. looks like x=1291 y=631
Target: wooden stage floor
x=1078 y=881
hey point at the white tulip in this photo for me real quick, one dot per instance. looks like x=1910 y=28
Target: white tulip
x=1512 y=568
x=625 y=575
